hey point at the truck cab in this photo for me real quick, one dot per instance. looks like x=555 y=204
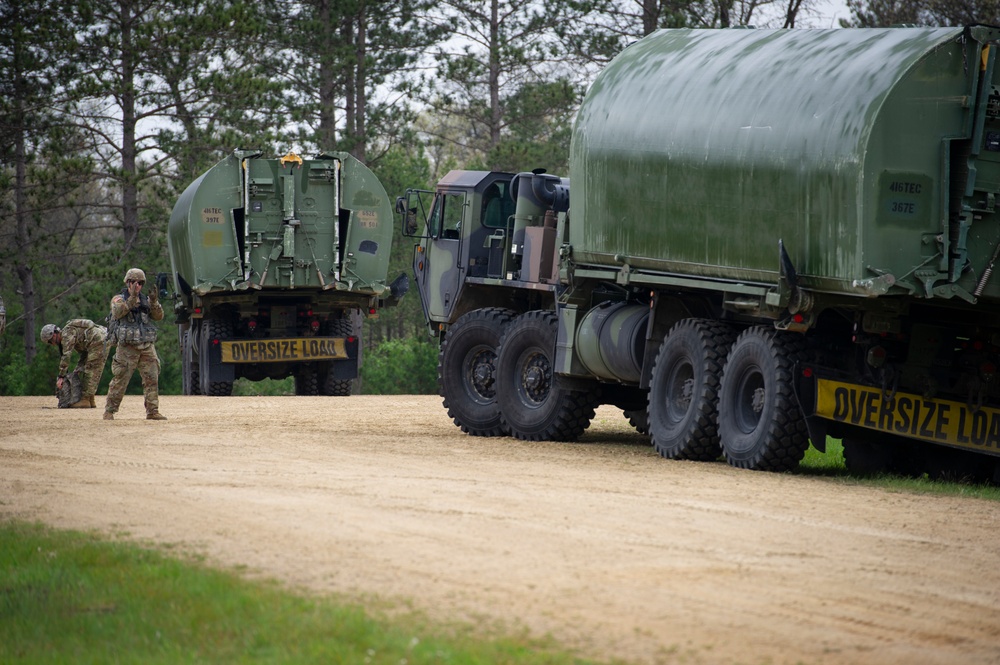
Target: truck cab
x=472 y=234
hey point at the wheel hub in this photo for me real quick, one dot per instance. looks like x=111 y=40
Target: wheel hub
x=535 y=378
x=482 y=374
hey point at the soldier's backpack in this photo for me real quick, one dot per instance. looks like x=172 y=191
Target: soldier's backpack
x=71 y=391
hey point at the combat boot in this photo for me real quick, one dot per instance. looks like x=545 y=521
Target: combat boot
x=82 y=404
x=155 y=415
x=93 y=404
x=108 y=415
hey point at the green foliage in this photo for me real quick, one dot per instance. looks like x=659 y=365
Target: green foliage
x=401 y=367
x=886 y=13
x=399 y=170
x=70 y=597
x=265 y=387
x=14 y=374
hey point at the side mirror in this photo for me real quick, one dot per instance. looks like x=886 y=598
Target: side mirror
x=161 y=285
x=400 y=286
x=400 y=205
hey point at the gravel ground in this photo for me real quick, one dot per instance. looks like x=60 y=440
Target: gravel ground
x=601 y=544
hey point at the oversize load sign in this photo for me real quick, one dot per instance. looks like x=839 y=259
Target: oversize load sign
x=937 y=420
x=282 y=350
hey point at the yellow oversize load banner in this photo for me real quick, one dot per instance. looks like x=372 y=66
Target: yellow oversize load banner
x=937 y=420
x=282 y=350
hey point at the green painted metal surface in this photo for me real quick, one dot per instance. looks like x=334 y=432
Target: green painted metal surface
x=253 y=223
x=696 y=151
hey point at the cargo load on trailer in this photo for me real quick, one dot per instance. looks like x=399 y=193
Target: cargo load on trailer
x=775 y=236
x=275 y=263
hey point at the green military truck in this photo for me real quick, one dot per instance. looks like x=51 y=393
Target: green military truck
x=775 y=237
x=274 y=263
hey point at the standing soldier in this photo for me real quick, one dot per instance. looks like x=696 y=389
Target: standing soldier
x=88 y=339
x=132 y=329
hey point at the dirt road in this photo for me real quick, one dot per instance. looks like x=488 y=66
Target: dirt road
x=602 y=544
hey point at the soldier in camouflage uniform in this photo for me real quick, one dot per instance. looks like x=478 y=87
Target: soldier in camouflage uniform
x=86 y=338
x=132 y=329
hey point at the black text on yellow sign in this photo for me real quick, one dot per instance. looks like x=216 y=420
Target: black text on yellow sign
x=937 y=420
x=282 y=350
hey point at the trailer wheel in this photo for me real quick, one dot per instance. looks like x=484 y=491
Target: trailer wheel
x=190 y=379
x=684 y=390
x=467 y=371
x=760 y=424
x=534 y=406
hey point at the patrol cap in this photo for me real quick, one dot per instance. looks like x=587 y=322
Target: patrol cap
x=48 y=330
x=135 y=274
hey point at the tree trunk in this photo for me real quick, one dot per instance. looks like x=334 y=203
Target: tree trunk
x=23 y=242
x=360 y=143
x=130 y=193
x=650 y=16
x=494 y=74
x=326 y=135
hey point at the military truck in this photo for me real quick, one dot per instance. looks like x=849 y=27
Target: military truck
x=775 y=236
x=275 y=262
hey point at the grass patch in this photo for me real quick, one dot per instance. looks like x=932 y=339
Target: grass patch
x=831 y=465
x=71 y=597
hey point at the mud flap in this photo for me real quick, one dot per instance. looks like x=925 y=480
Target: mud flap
x=805 y=393
x=213 y=370
x=349 y=368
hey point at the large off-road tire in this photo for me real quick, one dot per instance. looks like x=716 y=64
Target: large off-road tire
x=306 y=382
x=335 y=387
x=190 y=378
x=760 y=424
x=217 y=329
x=534 y=406
x=865 y=457
x=467 y=371
x=684 y=390
x=638 y=419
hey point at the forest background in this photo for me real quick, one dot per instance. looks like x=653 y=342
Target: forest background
x=110 y=108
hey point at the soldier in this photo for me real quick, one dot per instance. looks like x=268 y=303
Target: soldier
x=86 y=338
x=132 y=329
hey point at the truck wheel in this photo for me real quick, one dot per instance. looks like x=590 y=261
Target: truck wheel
x=190 y=379
x=684 y=390
x=865 y=458
x=760 y=424
x=467 y=371
x=341 y=327
x=306 y=382
x=639 y=419
x=218 y=329
x=533 y=405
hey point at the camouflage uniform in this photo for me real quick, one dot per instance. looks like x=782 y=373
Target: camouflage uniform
x=88 y=339
x=134 y=333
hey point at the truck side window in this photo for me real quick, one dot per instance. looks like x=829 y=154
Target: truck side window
x=497 y=205
x=446 y=217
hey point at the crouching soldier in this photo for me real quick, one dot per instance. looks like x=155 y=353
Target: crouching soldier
x=131 y=328
x=86 y=338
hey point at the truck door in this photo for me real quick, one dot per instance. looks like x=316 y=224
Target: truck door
x=438 y=268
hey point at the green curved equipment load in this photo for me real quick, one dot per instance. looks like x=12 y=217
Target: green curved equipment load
x=288 y=223
x=275 y=263
x=872 y=155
